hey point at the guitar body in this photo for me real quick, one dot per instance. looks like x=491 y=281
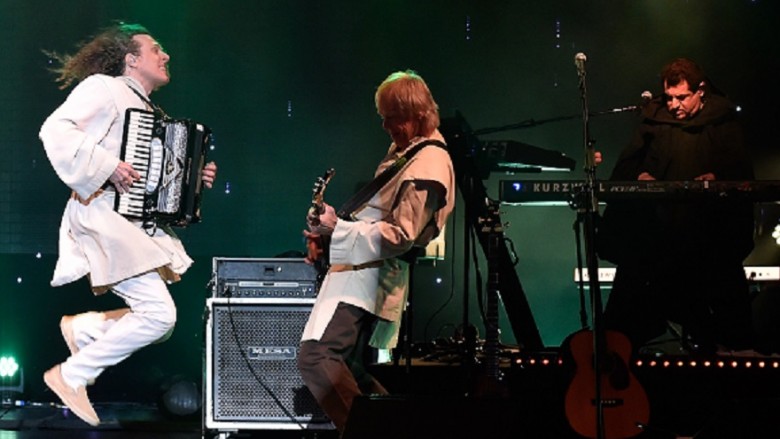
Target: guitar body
x=491 y=385
x=623 y=400
x=317 y=252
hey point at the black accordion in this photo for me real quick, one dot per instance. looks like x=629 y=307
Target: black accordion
x=170 y=155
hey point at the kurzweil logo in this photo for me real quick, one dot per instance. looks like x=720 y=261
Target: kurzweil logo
x=272 y=352
x=556 y=187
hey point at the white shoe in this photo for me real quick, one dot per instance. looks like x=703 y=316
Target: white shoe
x=76 y=399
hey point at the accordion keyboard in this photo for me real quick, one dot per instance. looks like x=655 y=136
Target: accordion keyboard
x=143 y=151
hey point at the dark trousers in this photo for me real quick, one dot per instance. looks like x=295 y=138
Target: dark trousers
x=334 y=367
x=711 y=303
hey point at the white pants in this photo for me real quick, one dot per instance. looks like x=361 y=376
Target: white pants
x=103 y=343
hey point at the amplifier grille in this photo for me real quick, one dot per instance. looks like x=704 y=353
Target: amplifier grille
x=264 y=337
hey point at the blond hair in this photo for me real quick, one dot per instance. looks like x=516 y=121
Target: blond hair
x=407 y=92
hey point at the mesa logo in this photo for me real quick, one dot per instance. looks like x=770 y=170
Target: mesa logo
x=272 y=352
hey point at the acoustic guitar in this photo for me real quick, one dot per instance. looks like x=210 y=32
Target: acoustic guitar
x=622 y=406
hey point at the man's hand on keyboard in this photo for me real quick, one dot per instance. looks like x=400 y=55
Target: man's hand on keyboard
x=123 y=177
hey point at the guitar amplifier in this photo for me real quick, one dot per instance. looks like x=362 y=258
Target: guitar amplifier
x=284 y=278
x=251 y=379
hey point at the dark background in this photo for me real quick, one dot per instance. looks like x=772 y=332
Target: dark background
x=287 y=87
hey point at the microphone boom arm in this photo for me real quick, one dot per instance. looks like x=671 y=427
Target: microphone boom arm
x=530 y=123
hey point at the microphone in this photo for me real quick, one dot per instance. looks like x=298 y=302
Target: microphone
x=579 y=61
x=646 y=98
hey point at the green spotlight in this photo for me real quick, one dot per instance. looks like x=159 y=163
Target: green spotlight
x=8 y=367
x=11 y=375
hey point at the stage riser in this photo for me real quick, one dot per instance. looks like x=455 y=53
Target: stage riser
x=686 y=400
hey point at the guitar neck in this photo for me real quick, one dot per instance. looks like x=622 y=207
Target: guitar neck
x=316 y=206
x=494 y=230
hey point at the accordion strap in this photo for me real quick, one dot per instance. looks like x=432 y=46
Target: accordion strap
x=156 y=108
x=370 y=189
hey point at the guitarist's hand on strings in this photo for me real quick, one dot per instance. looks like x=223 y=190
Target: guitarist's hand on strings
x=321 y=222
x=123 y=177
x=313 y=249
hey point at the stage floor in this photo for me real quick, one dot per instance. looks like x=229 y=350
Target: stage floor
x=121 y=420
x=721 y=396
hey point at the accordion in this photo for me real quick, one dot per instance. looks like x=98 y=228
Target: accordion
x=170 y=155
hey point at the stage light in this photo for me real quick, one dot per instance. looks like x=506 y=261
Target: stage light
x=182 y=398
x=179 y=396
x=776 y=234
x=11 y=375
x=8 y=367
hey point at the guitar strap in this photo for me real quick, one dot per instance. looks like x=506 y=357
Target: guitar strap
x=370 y=189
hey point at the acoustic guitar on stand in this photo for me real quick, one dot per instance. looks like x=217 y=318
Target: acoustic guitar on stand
x=316 y=244
x=621 y=400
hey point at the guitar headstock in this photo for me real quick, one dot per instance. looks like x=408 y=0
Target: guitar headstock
x=319 y=189
x=490 y=219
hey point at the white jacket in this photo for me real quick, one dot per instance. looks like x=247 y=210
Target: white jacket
x=411 y=209
x=82 y=139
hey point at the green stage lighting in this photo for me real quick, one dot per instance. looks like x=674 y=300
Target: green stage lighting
x=8 y=367
x=11 y=375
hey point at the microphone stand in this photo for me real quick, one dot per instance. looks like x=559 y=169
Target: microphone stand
x=588 y=209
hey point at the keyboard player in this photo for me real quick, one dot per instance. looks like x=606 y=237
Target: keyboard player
x=681 y=261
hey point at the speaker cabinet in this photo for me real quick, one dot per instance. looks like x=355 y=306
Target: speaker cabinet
x=251 y=377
